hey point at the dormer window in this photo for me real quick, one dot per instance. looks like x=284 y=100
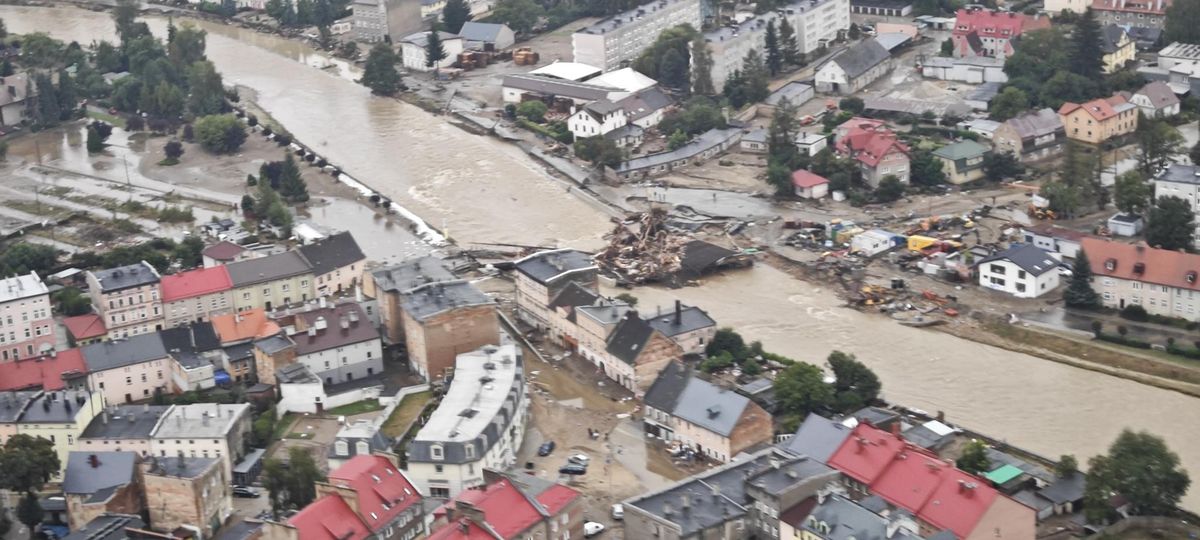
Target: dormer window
x=1139 y=268
x=470 y=450
x=362 y=448
x=1110 y=265
x=341 y=448
x=1190 y=277
x=435 y=452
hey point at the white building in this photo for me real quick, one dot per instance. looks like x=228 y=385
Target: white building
x=1023 y=271
x=1162 y=281
x=596 y=118
x=203 y=430
x=971 y=70
x=816 y=24
x=337 y=344
x=1183 y=181
x=376 y=19
x=618 y=40
x=1075 y=6
x=479 y=424
x=875 y=241
x=854 y=69
x=412 y=50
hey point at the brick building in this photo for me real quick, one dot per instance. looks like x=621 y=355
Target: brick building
x=444 y=319
x=387 y=285
x=186 y=492
x=99 y=482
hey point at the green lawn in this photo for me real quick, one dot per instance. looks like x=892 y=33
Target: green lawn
x=358 y=407
x=283 y=425
x=112 y=119
x=405 y=412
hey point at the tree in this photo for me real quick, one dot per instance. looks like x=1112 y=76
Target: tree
x=71 y=302
x=677 y=140
x=998 y=166
x=781 y=137
x=702 y=83
x=629 y=299
x=1066 y=466
x=291 y=185
x=974 y=458
x=890 y=189
x=1157 y=141
x=1079 y=293
x=520 y=15
x=95 y=141
x=379 y=73
x=275 y=480
x=1182 y=22
x=1140 y=467
x=1009 y=103
x=671 y=68
x=927 y=169
x=726 y=340
x=1132 y=193
x=187 y=46
x=1194 y=154
x=1087 y=52
x=455 y=14
x=23 y=258
x=29 y=512
x=697 y=115
x=48 y=111
x=27 y=463
x=1170 y=224
x=749 y=84
x=855 y=385
x=207 y=92
x=534 y=111
x=947 y=49
x=247 y=204
x=434 y=51
x=173 y=150
x=220 y=134
x=789 y=47
x=801 y=389
x=125 y=17
x=852 y=104
x=771 y=46
x=600 y=151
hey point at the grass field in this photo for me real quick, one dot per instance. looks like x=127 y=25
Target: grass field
x=405 y=413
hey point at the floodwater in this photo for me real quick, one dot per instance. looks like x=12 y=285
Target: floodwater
x=1046 y=407
x=395 y=244
x=475 y=188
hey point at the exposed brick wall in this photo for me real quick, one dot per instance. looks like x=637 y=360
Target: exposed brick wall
x=434 y=344
x=199 y=501
x=127 y=500
x=657 y=354
x=753 y=427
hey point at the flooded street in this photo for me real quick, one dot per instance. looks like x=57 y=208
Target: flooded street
x=1047 y=407
x=477 y=188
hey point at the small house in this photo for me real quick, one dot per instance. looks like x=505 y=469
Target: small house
x=1031 y=136
x=487 y=36
x=1123 y=224
x=596 y=118
x=1156 y=100
x=1119 y=49
x=413 y=47
x=854 y=68
x=962 y=161
x=809 y=185
x=811 y=143
x=1054 y=239
x=754 y=142
x=1023 y=271
x=873 y=242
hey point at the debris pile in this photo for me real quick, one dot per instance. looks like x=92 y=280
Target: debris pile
x=643 y=250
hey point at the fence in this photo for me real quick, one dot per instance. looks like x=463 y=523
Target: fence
x=1146 y=522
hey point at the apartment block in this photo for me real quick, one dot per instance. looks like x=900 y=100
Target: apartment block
x=196 y=295
x=388 y=284
x=203 y=430
x=618 y=40
x=1182 y=181
x=815 y=22
x=128 y=299
x=186 y=492
x=385 y=20
x=443 y=320
x=26 y=325
x=271 y=282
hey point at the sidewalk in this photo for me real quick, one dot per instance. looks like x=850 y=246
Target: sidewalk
x=1061 y=318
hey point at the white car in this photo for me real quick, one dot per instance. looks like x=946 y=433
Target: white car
x=592 y=528
x=579 y=459
x=618 y=512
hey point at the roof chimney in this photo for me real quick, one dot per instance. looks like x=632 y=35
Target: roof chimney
x=678 y=312
x=94 y=461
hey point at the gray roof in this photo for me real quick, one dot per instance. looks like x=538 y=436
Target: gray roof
x=615 y=21
x=629 y=338
x=644 y=103
x=758 y=135
x=794 y=92
x=862 y=57
x=107 y=527
x=665 y=391
x=12 y=404
x=269 y=268
x=602 y=107
x=1028 y=257
x=125 y=422
x=1181 y=173
x=477 y=31
x=847 y=520
x=1122 y=217
x=557 y=87
x=241 y=351
x=1037 y=123
x=627 y=130
x=180 y=467
x=345 y=324
x=998 y=459
x=691 y=318
x=574 y=295
x=297 y=373
x=111 y=470
x=1110 y=38
x=875 y=416
x=434 y=298
x=926 y=438
x=55 y=408
x=1144 y=35
x=818 y=437
x=125 y=277
x=703 y=142
x=274 y=344
x=248 y=461
x=186 y=344
x=241 y=530
x=544 y=266
x=1159 y=94
x=1066 y=489
x=791 y=470
x=123 y=352
x=1032 y=499
x=711 y=407
x=332 y=252
x=200 y=420
x=412 y=273
x=421 y=39
x=362 y=430
x=891 y=40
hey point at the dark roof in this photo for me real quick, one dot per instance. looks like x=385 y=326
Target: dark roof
x=1125 y=218
x=345 y=324
x=644 y=103
x=1034 y=124
x=1028 y=257
x=1180 y=173
x=790 y=91
x=60 y=407
x=1110 y=38
x=664 y=393
x=110 y=470
x=926 y=438
x=295 y=373
x=860 y=58
x=12 y=404
x=412 y=273
x=602 y=107
x=700 y=256
x=629 y=338
x=186 y=343
x=477 y=31
x=544 y=266
x=241 y=351
x=123 y=352
x=125 y=422
x=432 y=299
x=223 y=251
x=818 y=437
x=574 y=295
x=125 y=277
x=273 y=344
x=269 y=268
x=691 y=318
x=1068 y=489
x=241 y=530
x=556 y=87
x=711 y=407
x=180 y=467
x=875 y=416
x=332 y=252
x=1144 y=35
x=108 y=527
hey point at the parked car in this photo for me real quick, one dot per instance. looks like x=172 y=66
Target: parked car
x=579 y=459
x=618 y=512
x=546 y=448
x=592 y=528
x=245 y=492
x=573 y=469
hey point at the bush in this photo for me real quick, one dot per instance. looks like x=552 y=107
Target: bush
x=1135 y=312
x=175 y=214
x=220 y=133
x=1122 y=340
x=534 y=111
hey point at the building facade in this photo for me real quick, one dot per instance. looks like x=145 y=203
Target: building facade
x=1182 y=181
x=962 y=161
x=983 y=32
x=128 y=370
x=380 y=495
x=26 y=323
x=128 y=299
x=59 y=417
x=203 y=430
x=387 y=286
x=337 y=343
x=511 y=507
x=1099 y=120
x=876 y=149
x=271 y=282
x=618 y=40
x=444 y=319
x=1024 y=271
x=1031 y=136
x=542 y=275
x=1144 y=13
x=816 y=25
x=385 y=20
x=1163 y=282
x=196 y=295
x=337 y=261
x=186 y=492
x=854 y=69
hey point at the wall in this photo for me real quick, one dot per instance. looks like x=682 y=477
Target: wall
x=199 y=308
x=344 y=364
x=127 y=500
x=344 y=278
x=654 y=358
x=1156 y=299
x=273 y=294
x=128 y=312
x=203 y=502
x=303 y=397
x=26 y=317
x=435 y=343
x=132 y=383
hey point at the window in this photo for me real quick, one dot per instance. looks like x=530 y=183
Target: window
x=438 y=469
x=470 y=449
x=996 y=269
x=435 y=452
x=363 y=448
x=341 y=448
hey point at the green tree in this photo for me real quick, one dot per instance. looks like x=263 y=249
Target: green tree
x=1079 y=293
x=998 y=166
x=974 y=458
x=673 y=69
x=926 y=169
x=27 y=463
x=520 y=15
x=890 y=189
x=124 y=15
x=677 y=140
x=48 y=111
x=455 y=14
x=854 y=105
x=29 y=513
x=23 y=258
x=670 y=69
x=1182 y=22
x=600 y=151
x=697 y=115
x=220 y=133
x=1170 y=224
x=163 y=101
x=779 y=176
x=207 y=92
x=1009 y=103
x=1131 y=193
x=781 y=137
x=67 y=95
x=1157 y=142
x=534 y=111
x=789 y=46
x=748 y=85
x=95 y=142
x=855 y=385
x=1066 y=466
x=435 y=52
x=275 y=480
x=727 y=340
x=1087 y=51
x=801 y=389
x=379 y=73
x=1066 y=86
x=291 y=185
x=947 y=49
x=173 y=150
x=304 y=474
x=702 y=61
x=71 y=302
x=1140 y=467
x=187 y=47
x=771 y=47
x=1194 y=154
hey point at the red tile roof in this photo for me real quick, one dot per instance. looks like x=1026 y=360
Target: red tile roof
x=1139 y=262
x=193 y=283
x=249 y=324
x=1100 y=108
x=329 y=518
x=865 y=454
x=506 y=510
x=383 y=491
x=996 y=24
x=806 y=179
x=43 y=372
x=223 y=251
x=556 y=498
x=869 y=141
x=461 y=529
x=85 y=326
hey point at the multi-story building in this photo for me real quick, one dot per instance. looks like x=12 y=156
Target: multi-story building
x=635 y=353
x=337 y=263
x=983 y=32
x=271 y=282
x=337 y=343
x=711 y=421
x=1024 y=271
x=688 y=326
x=542 y=275
x=96 y=483
x=198 y=358
x=388 y=284
x=1074 y=6
x=382 y=497
x=853 y=69
x=616 y=41
x=26 y=324
x=187 y=492
x=1099 y=120
x=479 y=424
x=57 y=370
x=240 y=334
x=196 y=295
x=444 y=319
x=129 y=369
x=962 y=161
x=1164 y=282
x=385 y=20
x=876 y=148
x=123 y=428
x=59 y=417
x=1142 y=13
x=837 y=513
x=358 y=438
x=816 y=24
x=128 y=299
x=205 y=430
x=413 y=47
x=1182 y=181
x=511 y=507
x=1031 y=136
x=1119 y=49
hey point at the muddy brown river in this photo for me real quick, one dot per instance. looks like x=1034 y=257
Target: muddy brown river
x=483 y=190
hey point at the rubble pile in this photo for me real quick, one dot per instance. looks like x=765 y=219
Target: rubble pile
x=644 y=250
